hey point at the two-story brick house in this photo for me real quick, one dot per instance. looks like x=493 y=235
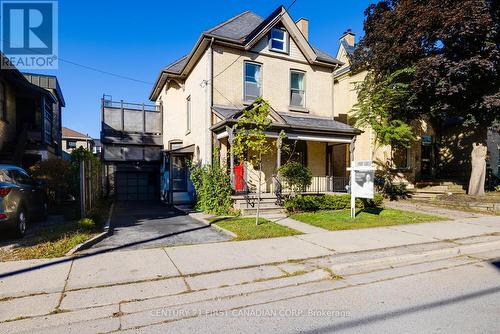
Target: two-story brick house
x=232 y=64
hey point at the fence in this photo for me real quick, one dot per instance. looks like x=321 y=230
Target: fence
x=90 y=185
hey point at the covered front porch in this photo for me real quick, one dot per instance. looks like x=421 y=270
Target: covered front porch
x=322 y=144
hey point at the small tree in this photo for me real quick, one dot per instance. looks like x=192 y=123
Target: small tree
x=250 y=142
x=297 y=177
x=213 y=191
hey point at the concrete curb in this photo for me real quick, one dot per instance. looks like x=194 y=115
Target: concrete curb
x=108 y=231
x=206 y=222
x=433 y=255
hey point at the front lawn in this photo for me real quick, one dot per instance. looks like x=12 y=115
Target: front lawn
x=369 y=217
x=246 y=229
x=48 y=242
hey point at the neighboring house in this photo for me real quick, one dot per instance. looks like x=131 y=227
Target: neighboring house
x=407 y=164
x=430 y=159
x=247 y=56
x=97 y=149
x=131 y=139
x=72 y=140
x=30 y=117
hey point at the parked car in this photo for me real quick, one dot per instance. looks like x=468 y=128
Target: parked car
x=22 y=199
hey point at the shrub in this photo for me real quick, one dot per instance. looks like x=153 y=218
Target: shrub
x=58 y=176
x=87 y=224
x=213 y=188
x=296 y=176
x=329 y=202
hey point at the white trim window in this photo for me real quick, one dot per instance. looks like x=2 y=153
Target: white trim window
x=252 y=84
x=297 y=89
x=278 y=40
x=188 y=114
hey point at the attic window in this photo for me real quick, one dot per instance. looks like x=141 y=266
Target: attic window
x=278 y=40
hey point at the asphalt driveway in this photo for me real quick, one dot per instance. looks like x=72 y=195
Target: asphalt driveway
x=153 y=224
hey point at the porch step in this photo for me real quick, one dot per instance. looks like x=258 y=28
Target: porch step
x=266 y=205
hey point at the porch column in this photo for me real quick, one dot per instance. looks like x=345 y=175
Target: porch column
x=352 y=146
x=279 y=143
x=230 y=139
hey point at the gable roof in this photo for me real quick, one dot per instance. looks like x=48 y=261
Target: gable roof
x=244 y=30
x=69 y=133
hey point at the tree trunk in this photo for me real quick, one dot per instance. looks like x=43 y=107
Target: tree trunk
x=478 y=174
x=258 y=191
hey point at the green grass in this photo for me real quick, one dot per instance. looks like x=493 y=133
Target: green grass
x=370 y=217
x=48 y=243
x=246 y=229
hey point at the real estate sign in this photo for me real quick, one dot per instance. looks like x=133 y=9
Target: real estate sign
x=362 y=177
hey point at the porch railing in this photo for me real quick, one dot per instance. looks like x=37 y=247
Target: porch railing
x=320 y=184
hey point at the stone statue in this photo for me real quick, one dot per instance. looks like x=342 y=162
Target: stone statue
x=478 y=175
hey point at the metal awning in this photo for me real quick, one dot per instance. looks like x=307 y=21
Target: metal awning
x=183 y=150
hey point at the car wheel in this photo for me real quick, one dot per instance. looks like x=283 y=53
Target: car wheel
x=21 y=224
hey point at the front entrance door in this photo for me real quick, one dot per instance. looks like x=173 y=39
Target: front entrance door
x=426 y=162
x=179 y=173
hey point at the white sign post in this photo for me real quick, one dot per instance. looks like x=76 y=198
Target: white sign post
x=362 y=177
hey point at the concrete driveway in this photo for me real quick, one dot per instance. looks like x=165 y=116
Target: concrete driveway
x=153 y=224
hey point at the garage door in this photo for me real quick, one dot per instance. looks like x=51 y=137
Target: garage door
x=137 y=186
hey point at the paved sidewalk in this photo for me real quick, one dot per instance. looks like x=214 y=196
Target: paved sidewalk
x=430 y=209
x=105 y=284
x=299 y=226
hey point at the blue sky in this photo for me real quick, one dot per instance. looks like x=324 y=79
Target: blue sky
x=137 y=38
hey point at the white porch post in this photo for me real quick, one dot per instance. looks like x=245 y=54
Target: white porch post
x=352 y=146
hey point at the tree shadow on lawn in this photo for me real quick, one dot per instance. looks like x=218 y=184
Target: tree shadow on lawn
x=372 y=211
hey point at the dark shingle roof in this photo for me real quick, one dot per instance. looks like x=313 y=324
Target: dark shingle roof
x=293 y=121
x=225 y=112
x=316 y=122
x=348 y=48
x=322 y=55
x=237 y=27
x=176 y=66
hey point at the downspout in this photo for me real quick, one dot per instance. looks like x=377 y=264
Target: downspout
x=209 y=96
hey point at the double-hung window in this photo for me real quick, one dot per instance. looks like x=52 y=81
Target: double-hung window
x=278 y=40
x=188 y=114
x=297 y=89
x=253 y=85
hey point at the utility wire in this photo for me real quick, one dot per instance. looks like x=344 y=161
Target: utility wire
x=87 y=67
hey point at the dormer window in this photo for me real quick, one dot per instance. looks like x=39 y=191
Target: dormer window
x=278 y=40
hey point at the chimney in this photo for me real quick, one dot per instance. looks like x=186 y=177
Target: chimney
x=349 y=37
x=303 y=25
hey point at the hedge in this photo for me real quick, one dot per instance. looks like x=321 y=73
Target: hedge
x=329 y=202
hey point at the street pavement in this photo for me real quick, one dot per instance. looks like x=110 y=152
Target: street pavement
x=163 y=289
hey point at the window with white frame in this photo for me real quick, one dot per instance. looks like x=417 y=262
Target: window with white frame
x=297 y=89
x=278 y=40
x=252 y=87
x=188 y=114
x=70 y=144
